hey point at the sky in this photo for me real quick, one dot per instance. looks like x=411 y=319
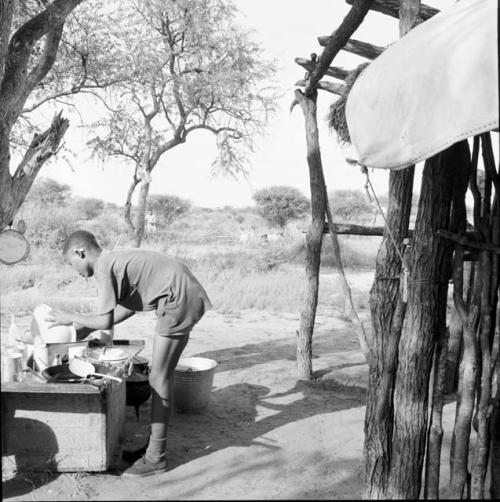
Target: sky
x=286 y=29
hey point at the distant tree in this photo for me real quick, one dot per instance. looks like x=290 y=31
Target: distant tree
x=167 y=207
x=350 y=206
x=88 y=207
x=191 y=69
x=280 y=204
x=47 y=191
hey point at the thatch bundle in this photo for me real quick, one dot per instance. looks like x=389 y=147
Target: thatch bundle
x=336 y=113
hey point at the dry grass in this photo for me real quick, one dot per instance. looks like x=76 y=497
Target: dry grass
x=265 y=277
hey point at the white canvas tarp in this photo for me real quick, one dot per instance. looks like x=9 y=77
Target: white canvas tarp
x=434 y=87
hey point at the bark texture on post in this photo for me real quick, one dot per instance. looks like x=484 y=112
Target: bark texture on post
x=486 y=333
x=495 y=438
x=468 y=368
x=384 y=296
x=314 y=236
x=459 y=159
x=425 y=317
x=387 y=314
x=435 y=435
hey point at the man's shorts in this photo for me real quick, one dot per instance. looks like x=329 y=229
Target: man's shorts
x=172 y=320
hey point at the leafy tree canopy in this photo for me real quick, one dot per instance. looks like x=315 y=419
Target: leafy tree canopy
x=168 y=207
x=280 y=204
x=350 y=206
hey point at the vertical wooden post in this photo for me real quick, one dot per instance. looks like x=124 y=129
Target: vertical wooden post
x=425 y=318
x=314 y=236
x=384 y=296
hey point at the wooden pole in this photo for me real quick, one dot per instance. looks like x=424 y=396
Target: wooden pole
x=363 y=49
x=307 y=102
x=435 y=433
x=425 y=318
x=387 y=315
x=338 y=40
x=314 y=236
x=331 y=71
x=391 y=8
x=347 y=290
x=324 y=85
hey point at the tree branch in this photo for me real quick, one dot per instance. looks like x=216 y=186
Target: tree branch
x=48 y=56
x=6 y=14
x=19 y=52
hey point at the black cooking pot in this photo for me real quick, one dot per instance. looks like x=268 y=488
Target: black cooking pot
x=138 y=390
x=140 y=365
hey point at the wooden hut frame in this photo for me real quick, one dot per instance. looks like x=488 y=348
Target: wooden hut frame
x=407 y=349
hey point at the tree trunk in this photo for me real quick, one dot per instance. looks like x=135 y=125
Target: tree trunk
x=425 y=317
x=19 y=74
x=314 y=236
x=13 y=189
x=127 y=210
x=141 y=213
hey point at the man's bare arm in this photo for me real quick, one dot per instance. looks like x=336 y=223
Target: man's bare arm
x=121 y=313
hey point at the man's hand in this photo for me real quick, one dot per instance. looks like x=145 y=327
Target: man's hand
x=57 y=318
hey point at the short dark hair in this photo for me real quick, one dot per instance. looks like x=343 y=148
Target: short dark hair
x=80 y=238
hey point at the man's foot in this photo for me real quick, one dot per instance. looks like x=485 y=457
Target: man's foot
x=145 y=467
x=133 y=455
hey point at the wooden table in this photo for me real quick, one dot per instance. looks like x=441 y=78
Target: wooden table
x=62 y=426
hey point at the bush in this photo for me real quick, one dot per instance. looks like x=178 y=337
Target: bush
x=48 y=228
x=350 y=206
x=109 y=228
x=280 y=204
x=167 y=208
x=46 y=192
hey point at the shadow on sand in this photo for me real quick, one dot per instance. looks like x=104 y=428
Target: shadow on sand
x=230 y=420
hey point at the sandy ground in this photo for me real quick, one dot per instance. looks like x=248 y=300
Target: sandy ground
x=263 y=436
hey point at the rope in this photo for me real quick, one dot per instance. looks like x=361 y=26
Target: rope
x=364 y=170
x=406 y=272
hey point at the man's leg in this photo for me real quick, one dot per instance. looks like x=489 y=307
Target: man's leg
x=166 y=353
